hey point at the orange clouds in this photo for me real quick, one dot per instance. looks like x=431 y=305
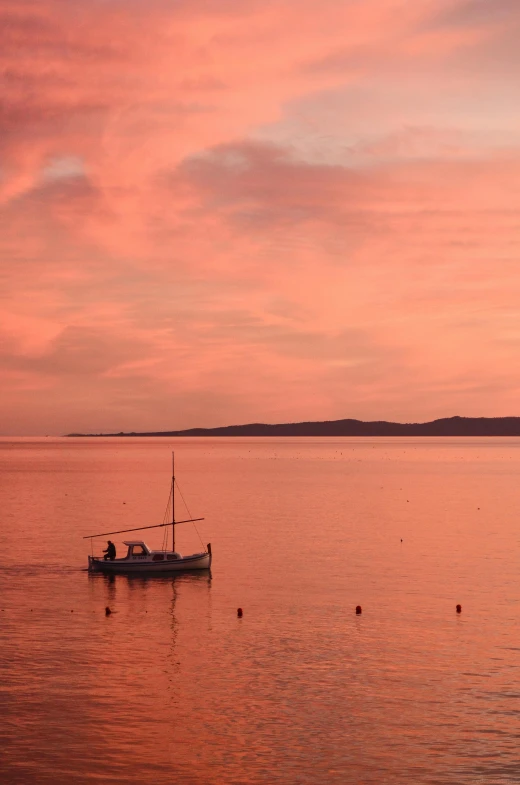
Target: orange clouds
x=213 y=212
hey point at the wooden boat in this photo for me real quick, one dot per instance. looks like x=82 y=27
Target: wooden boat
x=141 y=560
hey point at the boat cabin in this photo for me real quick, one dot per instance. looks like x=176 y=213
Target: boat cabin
x=139 y=551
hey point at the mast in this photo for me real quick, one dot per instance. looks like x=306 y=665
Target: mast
x=173 y=501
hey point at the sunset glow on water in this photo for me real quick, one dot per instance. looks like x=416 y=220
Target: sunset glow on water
x=174 y=687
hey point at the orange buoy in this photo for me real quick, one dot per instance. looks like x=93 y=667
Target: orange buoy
x=459 y=608
x=358 y=610
x=240 y=613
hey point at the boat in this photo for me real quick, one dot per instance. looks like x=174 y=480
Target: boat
x=140 y=559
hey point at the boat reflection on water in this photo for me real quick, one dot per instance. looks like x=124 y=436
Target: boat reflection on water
x=128 y=588
x=142 y=658
x=143 y=600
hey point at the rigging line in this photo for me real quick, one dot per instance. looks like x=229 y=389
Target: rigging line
x=167 y=510
x=167 y=520
x=182 y=497
x=165 y=539
x=189 y=513
x=200 y=538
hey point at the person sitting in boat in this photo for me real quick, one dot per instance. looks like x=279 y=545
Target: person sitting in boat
x=110 y=552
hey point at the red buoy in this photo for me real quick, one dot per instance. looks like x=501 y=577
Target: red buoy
x=459 y=608
x=358 y=609
x=240 y=613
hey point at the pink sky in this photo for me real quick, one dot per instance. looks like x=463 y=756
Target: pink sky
x=227 y=211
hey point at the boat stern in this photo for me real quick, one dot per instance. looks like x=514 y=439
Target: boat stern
x=93 y=564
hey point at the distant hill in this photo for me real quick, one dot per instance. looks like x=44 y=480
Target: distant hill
x=448 y=426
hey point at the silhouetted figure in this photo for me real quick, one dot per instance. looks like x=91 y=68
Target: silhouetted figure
x=110 y=552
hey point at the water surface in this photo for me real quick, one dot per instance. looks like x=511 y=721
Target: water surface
x=173 y=687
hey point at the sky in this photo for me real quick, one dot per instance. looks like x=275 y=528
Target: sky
x=216 y=212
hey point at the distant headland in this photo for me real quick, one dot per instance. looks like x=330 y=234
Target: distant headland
x=447 y=426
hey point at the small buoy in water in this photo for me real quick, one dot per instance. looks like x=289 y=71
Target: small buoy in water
x=107 y=611
x=240 y=613
x=358 y=610
x=458 y=608
x=72 y=611
x=401 y=539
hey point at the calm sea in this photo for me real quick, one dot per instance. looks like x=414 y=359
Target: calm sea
x=174 y=688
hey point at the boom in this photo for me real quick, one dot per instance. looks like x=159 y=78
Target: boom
x=141 y=528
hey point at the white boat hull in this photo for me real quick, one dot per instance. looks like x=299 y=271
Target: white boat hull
x=198 y=561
